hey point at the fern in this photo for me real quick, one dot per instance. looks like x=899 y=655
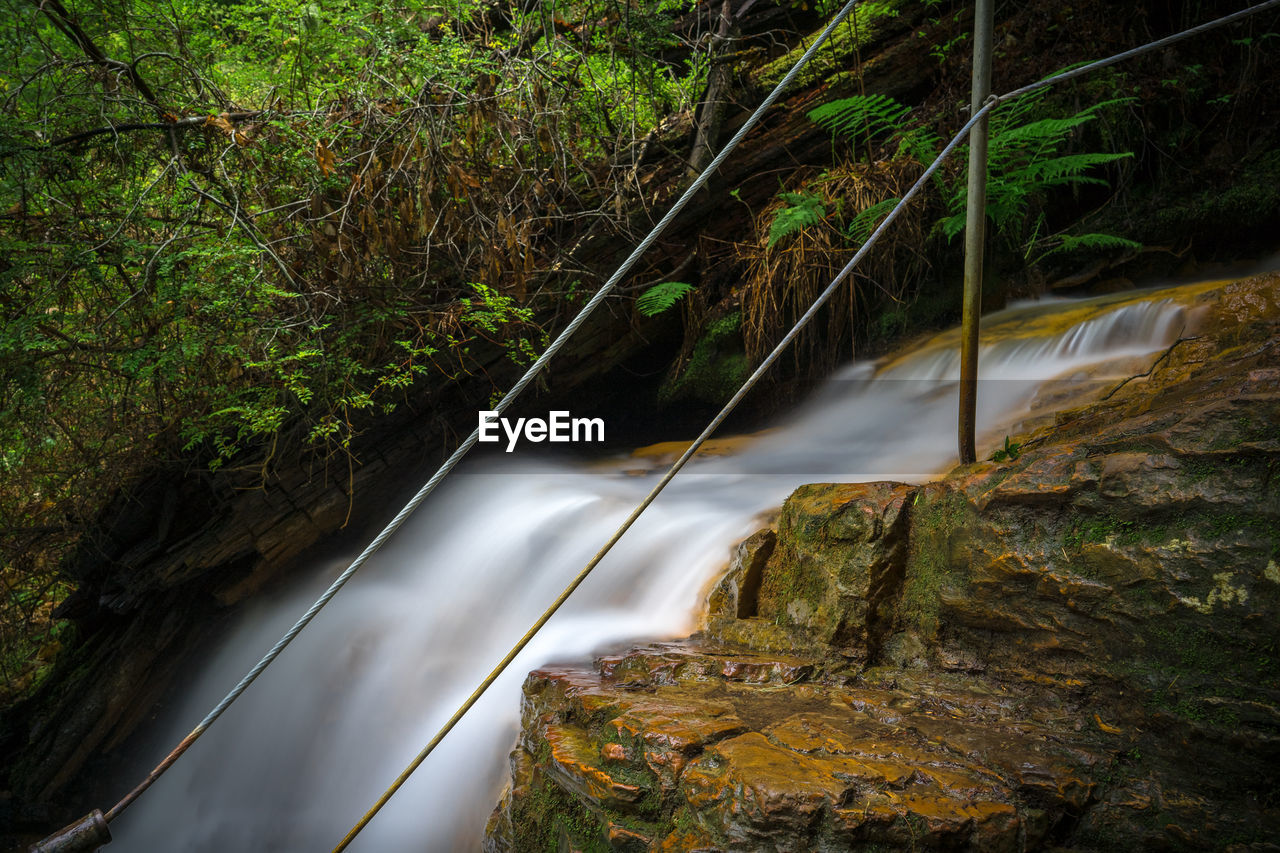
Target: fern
x=1069 y=169
x=660 y=297
x=1046 y=130
x=1091 y=241
x=803 y=210
x=866 y=221
x=952 y=225
x=920 y=144
x=1024 y=158
x=1023 y=163
x=860 y=116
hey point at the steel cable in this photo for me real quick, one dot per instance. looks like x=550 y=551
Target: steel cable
x=471 y=440
x=990 y=104
x=559 y=342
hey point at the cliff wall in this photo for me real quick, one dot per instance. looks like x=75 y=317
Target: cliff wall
x=1074 y=648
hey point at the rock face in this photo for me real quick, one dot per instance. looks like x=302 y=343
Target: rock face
x=1076 y=648
x=686 y=746
x=173 y=554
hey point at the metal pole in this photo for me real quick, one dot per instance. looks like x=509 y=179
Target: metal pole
x=975 y=231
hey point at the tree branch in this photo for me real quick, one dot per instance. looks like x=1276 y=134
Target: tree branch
x=61 y=18
x=180 y=124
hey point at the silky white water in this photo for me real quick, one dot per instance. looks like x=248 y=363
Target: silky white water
x=300 y=757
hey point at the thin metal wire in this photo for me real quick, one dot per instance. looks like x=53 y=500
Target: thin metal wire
x=1137 y=51
x=657 y=489
x=990 y=104
x=471 y=440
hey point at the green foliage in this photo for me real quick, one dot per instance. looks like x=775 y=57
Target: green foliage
x=922 y=145
x=291 y=270
x=802 y=210
x=1011 y=451
x=865 y=222
x=830 y=63
x=1102 y=242
x=942 y=51
x=861 y=116
x=661 y=297
x=358 y=205
x=287 y=272
x=1027 y=160
x=30 y=636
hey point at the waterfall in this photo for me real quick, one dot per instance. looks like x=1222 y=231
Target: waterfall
x=312 y=744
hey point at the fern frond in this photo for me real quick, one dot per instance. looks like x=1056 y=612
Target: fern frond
x=952 y=225
x=1103 y=242
x=803 y=210
x=860 y=115
x=1106 y=105
x=1069 y=168
x=1044 y=130
x=1009 y=208
x=919 y=144
x=1016 y=112
x=660 y=297
x=1007 y=203
x=865 y=222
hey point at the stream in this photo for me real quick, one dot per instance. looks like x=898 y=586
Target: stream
x=309 y=747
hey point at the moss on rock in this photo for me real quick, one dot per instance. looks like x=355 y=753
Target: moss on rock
x=716 y=368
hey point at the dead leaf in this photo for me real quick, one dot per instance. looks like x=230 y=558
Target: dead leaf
x=324 y=157
x=223 y=123
x=545 y=141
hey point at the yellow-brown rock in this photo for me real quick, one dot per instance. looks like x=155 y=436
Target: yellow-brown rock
x=691 y=756
x=1072 y=649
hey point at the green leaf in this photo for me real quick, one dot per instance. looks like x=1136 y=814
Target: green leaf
x=866 y=221
x=1011 y=451
x=660 y=297
x=1093 y=241
x=803 y=210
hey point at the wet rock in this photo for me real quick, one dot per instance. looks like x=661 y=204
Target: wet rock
x=572 y=763
x=1074 y=649
x=672 y=662
x=708 y=762
x=736 y=596
x=838 y=564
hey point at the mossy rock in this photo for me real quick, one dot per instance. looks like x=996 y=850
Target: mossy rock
x=716 y=369
x=839 y=564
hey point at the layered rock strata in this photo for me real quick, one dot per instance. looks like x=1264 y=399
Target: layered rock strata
x=1076 y=648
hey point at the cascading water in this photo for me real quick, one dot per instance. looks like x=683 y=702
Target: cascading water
x=308 y=748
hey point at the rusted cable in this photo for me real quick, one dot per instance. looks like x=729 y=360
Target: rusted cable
x=990 y=104
x=52 y=842
x=471 y=440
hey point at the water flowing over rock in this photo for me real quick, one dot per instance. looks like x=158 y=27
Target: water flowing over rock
x=296 y=760
x=1073 y=647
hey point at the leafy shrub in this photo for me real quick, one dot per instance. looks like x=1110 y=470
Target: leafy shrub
x=1027 y=159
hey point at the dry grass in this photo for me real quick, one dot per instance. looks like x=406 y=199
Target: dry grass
x=785 y=279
